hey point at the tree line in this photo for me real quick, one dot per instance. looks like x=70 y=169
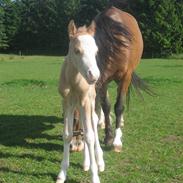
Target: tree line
x=41 y=25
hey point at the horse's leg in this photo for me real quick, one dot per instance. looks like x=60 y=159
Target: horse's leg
x=106 y=106
x=100 y=113
x=98 y=149
x=86 y=164
x=73 y=144
x=80 y=142
x=89 y=138
x=77 y=143
x=67 y=136
x=119 y=109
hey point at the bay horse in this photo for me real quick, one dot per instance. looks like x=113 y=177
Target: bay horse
x=120 y=46
x=78 y=76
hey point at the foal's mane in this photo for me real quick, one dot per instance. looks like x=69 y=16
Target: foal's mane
x=111 y=36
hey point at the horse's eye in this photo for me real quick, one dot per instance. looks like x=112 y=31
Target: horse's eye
x=77 y=51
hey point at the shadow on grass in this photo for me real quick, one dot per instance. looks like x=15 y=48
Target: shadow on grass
x=23 y=130
x=7 y=170
x=27 y=155
x=39 y=175
x=29 y=132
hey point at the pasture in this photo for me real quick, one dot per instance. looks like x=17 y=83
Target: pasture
x=30 y=125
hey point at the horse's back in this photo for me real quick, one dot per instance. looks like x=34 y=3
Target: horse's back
x=136 y=43
x=129 y=56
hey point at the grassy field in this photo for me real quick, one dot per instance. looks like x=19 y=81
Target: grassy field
x=30 y=126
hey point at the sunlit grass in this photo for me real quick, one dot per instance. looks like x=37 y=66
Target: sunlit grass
x=30 y=125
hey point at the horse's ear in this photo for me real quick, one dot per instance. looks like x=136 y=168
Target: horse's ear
x=92 y=28
x=72 y=29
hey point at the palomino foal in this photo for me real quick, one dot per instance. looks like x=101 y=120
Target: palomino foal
x=77 y=87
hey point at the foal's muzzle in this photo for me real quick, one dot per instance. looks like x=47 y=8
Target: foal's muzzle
x=91 y=77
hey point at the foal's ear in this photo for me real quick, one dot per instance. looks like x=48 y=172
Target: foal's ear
x=92 y=28
x=72 y=29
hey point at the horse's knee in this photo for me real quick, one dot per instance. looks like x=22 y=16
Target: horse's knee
x=118 y=108
x=89 y=137
x=67 y=137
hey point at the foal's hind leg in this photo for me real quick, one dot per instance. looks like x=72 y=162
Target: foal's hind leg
x=100 y=113
x=106 y=106
x=119 y=109
x=73 y=144
x=77 y=143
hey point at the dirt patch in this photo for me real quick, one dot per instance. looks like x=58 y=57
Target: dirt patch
x=172 y=138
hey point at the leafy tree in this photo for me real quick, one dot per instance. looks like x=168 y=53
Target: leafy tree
x=42 y=24
x=160 y=22
x=11 y=20
x=3 y=37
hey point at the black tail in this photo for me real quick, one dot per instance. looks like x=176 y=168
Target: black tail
x=139 y=86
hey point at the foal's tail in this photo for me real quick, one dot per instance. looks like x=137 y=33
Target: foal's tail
x=139 y=86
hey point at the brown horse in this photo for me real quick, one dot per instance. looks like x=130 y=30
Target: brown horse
x=120 y=45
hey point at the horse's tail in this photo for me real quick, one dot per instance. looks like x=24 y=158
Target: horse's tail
x=139 y=86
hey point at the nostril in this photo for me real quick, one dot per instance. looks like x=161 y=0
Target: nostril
x=90 y=75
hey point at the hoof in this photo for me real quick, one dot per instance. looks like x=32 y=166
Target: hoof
x=102 y=125
x=96 y=179
x=59 y=180
x=73 y=148
x=108 y=141
x=80 y=146
x=86 y=168
x=118 y=148
x=101 y=168
x=73 y=145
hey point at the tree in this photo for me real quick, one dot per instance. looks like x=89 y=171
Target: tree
x=3 y=37
x=161 y=25
x=11 y=20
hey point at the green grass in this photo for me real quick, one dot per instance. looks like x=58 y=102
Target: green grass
x=30 y=126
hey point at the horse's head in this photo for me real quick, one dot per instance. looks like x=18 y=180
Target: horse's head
x=83 y=50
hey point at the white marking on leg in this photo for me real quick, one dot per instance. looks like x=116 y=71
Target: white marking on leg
x=101 y=121
x=122 y=121
x=117 y=140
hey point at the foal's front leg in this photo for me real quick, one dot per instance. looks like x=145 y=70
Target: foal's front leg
x=89 y=138
x=67 y=137
x=98 y=149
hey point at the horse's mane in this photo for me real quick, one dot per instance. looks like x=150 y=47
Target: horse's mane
x=111 y=36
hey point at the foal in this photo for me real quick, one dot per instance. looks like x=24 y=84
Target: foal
x=77 y=87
